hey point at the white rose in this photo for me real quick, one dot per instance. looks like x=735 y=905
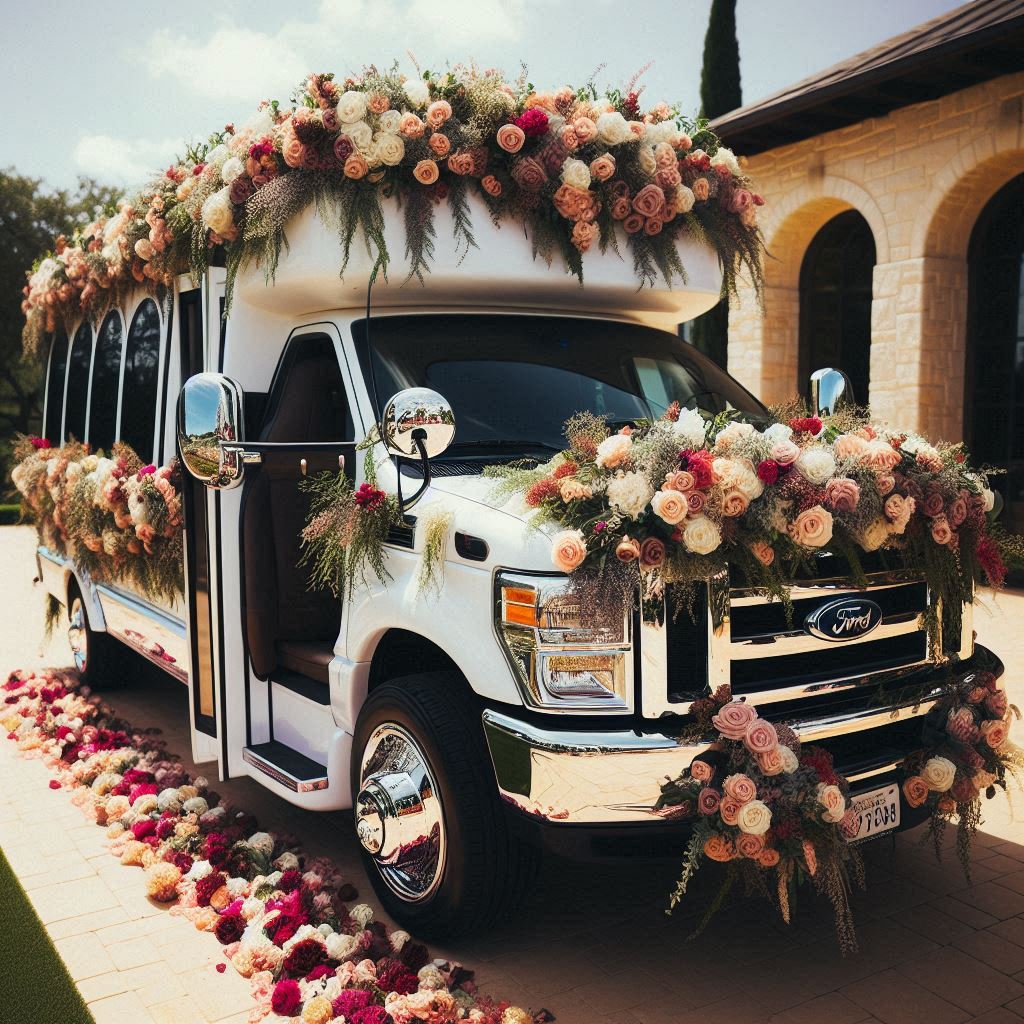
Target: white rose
x=732 y=433
x=362 y=914
x=576 y=173
x=389 y=121
x=398 y=939
x=340 y=946
x=726 y=158
x=701 y=535
x=218 y=155
x=232 y=168
x=990 y=499
x=390 y=149
x=287 y=862
x=754 y=818
x=684 y=199
x=738 y=474
x=938 y=774
x=217 y=213
x=199 y=869
x=614 y=450
x=612 y=128
x=645 y=157
x=261 y=123
x=834 y=803
x=417 y=92
x=252 y=907
x=629 y=493
x=262 y=843
x=778 y=432
x=790 y=762
x=352 y=107
x=361 y=135
x=691 y=428
x=816 y=465
x=197 y=805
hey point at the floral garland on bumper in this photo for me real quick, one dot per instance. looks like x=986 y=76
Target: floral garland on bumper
x=118 y=519
x=578 y=168
x=291 y=927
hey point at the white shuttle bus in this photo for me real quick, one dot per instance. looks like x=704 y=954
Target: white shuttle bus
x=447 y=734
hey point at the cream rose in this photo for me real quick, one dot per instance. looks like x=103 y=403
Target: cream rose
x=790 y=762
x=629 y=493
x=646 y=159
x=874 y=535
x=417 y=92
x=670 y=506
x=568 y=549
x=574 y=490
x=734 y=503
x=701 y=535
x=834 y=803
x=612 y=128
x=390 y=122
x=352 y=107
x=390 y=148
x=217 y=213
x=816 y=465
x=754 y=818
x=614 y=451
x=576 y=173
x=812 y=528
x=938 y=774
x=732 y=433
x=738 y=474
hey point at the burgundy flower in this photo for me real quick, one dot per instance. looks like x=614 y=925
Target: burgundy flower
x=39 y=442
x=351 y=1001
x=318 y=972
x=369 y=497
x=533 y=122
x=371 y=1015
x=286 y=998
x=207 y=886
x=303 y=957
x=229 y=928
x=290 y=880
x=394 y=976
x=144 y=828
x=414 y=955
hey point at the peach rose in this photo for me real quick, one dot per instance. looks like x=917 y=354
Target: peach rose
x=784 y=452
x=511 y=138
x=734 y=719
x=701 y=190
x=670 y=506
x=572 y=489
x=995 y=732
x=411 y=126
x=740 y=787
x=293 y=151
x=438 y=112
x=915 y=790
x=881 y=457
x=356 y=166
x=426 y=172
x=718 y=848
x=942 y=532
x=620 y=208
x=568 y=137
x=708 y=801
x=649 y=201
x=583 y=235
x=585 y=129
x=832 y=800
x=770 y=762
x=750 y=846
x=769 y=858
x=849 y=446
x=763 y=552
x=491 y=185
x=812 y=528
x=440 y=144
x=568 y=549
x=760 y=737
x=461 y=163
x=602 y=167
x=885 y=482
x=730 y=809
x=614 y=451
x=627 y=550
x=734 y=503
x=701 y=770
x=529 y=174
x=842 y=493
x=680 y=480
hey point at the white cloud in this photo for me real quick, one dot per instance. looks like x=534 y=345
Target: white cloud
x=127 y=161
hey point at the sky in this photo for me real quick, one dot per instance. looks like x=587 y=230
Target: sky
x=114 y=89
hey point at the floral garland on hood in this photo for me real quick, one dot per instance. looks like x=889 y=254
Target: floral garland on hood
x=682 y=498
x=579 y=168
x=118 y=519
x=291 y=927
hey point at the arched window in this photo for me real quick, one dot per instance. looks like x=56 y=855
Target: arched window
x=835 y=301
x=55 y=388
x=106 y=373
x=994 y=398
x=141 y=369
x=78 y=383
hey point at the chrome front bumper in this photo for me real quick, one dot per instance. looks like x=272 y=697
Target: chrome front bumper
x=571 y=776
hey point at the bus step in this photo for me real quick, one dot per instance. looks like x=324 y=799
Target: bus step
x=286 y=766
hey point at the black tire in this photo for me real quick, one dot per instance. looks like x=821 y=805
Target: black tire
x=96 y=656
x=486 y=868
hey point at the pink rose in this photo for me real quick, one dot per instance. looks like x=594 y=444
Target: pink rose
x=680 y=480
x=652 y=553
x=293 y=151
x=812 y=528
x=633 y=223
x=733 y=720
x=585 y=129
x=729 y=809
x=649 y=201
x=842 y=493
x=701 y=771
x=620 y=208
x=603 y=167
x=958 y=511
x=695 y=502
x=438 y=112
x=995 y=732
x=770 y=762
x=584 y=235
x=568 y=549
x=529 y=175
x=885 y=483
x=760 y=737
x=511 y=138
x=932 y=504
x=942 y=533
x=669 y=506
x=569 y=138
x=750 y=846
x=701 y=190
x=740 y=787
x=763 y=552
x=996 y=703
x=627 y=550
x=708 y=801
x=784 y=452
x=411 y=127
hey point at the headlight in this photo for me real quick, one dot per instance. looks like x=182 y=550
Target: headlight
x=558 y=661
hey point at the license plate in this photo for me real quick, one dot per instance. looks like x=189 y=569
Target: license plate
x=877 y=811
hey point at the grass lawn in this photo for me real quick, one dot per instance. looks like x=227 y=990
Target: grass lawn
x=36 y=986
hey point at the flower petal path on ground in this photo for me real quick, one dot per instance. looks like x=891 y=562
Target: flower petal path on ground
x=312 y=953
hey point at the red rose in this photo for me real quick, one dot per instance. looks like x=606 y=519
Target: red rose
x=768 y=471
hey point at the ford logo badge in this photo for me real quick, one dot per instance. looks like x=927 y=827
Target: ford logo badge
x=849 y=618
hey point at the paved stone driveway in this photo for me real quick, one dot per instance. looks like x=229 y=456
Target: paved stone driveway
x=592 y=944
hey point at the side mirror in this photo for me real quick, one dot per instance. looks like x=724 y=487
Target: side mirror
x=830 y=390
x=417 y=424
x=209 y=429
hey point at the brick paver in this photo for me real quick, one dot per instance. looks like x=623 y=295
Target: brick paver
x=591 y=944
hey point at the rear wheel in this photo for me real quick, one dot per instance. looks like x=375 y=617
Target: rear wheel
x=434 y=839
x=94 y=653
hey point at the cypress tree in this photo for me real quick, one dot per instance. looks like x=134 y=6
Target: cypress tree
x=719 y=93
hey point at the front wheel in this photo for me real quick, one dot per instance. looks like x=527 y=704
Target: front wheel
x=434 y=839
x=93 y=652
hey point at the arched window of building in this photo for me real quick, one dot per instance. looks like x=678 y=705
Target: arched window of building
x=835 y=301
x=55 y=388
x=141 y=370
x=106 y=374
x=994 y=398
x=78 y=383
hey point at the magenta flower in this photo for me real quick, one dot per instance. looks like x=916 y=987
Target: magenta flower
x=533 y=122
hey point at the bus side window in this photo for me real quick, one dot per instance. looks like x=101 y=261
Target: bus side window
x=139 y=387
x=53 y=423
x=106 y=372
x=78 y=383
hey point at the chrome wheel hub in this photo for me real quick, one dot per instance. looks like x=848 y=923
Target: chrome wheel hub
x=78 y=637
x=399 y=818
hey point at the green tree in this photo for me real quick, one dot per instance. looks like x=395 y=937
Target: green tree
x=719 y=93
x=31 y=217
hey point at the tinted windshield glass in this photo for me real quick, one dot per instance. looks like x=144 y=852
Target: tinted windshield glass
x=519 y=378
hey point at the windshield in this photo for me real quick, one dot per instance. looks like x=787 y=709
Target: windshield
x=513 y=381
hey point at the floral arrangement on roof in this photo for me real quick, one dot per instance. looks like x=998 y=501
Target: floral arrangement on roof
x=291 y=926
x=118 y=519
x=682 y=498
x=578 y=167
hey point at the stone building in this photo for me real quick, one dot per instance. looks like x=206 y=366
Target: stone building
x=895 y=226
